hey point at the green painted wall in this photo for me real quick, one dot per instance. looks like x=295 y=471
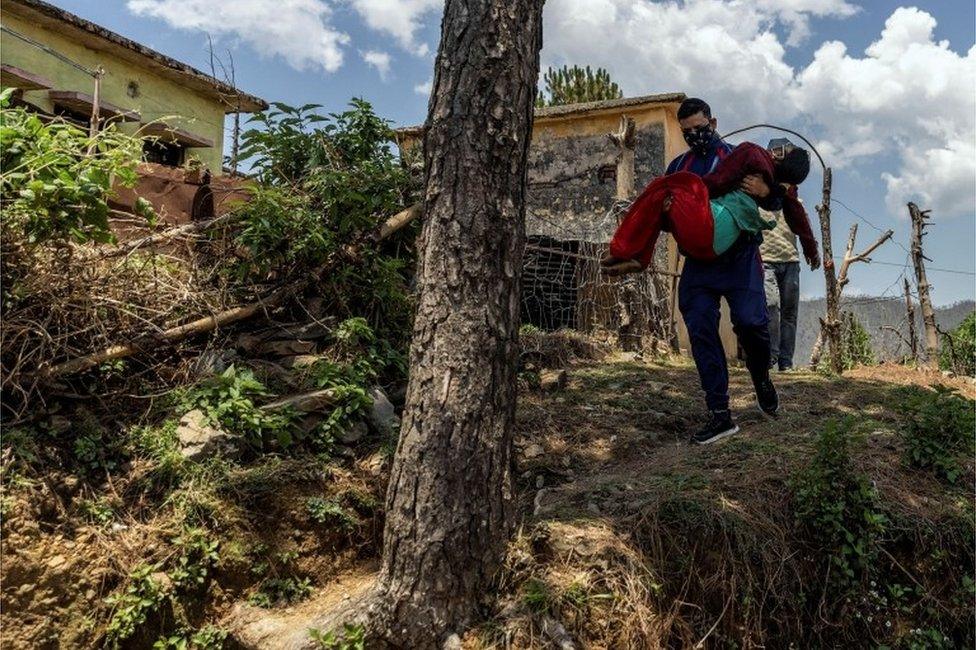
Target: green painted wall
x=158 y=99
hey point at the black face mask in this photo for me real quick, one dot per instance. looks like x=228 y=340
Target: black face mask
x=699 y=138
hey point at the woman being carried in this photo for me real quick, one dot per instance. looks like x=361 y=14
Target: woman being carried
x=706 y=215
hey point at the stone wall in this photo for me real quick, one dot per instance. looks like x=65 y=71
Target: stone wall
x=572 y=182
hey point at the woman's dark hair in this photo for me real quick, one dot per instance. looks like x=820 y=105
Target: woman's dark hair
x=794 y=167
x=694 y=105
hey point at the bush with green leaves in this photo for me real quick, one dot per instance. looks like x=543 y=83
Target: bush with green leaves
x=358 y=359
x=276 y=592
x=208 y=637
x=327 y=182
x=351 y=637
x=228 y=399
x=836 y=507
x=132 y=606
x=56 y=178
x=939 y=430
x=855 y=345
x=958 y=353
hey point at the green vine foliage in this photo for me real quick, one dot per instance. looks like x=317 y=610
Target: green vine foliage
x=56 y=179
x=939 y=430
x=326 y=182
x=958 y=353
x=572 y=85
x=837 y=508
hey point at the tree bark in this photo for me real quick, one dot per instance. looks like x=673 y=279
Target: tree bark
x=841 y=281
x=450 y=502
x=830 y=324
x=912 y=334
x=918 y=259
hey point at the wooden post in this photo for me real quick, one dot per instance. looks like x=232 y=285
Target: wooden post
x=625 y=140
x=912 y=334
x=830 y=324
x=918 y=259
x=841 y=281
x=96 y=100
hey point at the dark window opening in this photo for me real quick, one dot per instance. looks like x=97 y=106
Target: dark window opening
x=607 y=173
x=163 y=153
x=74 y=117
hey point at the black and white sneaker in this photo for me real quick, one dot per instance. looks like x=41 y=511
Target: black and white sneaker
x=719 y=426
x=767 y=398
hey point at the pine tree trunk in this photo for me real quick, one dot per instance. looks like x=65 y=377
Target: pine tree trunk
x=450 y=503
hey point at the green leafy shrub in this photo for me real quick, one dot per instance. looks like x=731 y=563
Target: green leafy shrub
x=132 y=607
x=277 y=592
x=56 y=179
x=197 y=556
x=209 y=637
x=228 y=400
x=327 y=511
x=325 y=183
x=958 y=353
x=359 y=359
x=352 y=637
x=939 y=428
x=855 y=345
x=837 y=507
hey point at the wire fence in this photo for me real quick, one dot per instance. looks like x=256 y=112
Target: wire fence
x=563 y=288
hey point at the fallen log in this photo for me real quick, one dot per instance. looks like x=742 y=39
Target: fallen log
x=210 y=323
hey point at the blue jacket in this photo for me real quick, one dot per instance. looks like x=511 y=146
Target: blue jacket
x=689 y=161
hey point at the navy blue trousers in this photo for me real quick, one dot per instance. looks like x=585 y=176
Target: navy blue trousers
x=736 y=276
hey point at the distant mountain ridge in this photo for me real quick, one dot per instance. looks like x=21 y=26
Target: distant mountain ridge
x=873 y=313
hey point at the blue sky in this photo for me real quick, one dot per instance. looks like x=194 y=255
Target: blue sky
x=886 y=90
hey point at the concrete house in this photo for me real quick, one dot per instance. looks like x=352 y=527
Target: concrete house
x=577 y=153
x=45 y=52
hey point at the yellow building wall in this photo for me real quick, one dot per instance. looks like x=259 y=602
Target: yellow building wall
x=158 y=99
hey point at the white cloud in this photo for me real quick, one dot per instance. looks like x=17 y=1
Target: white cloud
x=424 y=88
x=796 y=14
x=380 y=61
x=708 y=48
x=401 y=19
x=943 y=179
x=297 y=30
x=907 y=95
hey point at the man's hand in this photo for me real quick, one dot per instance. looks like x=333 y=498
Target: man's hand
x=754 y=185
x=813 y=261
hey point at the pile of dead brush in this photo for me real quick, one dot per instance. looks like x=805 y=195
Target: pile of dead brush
x=85 y=314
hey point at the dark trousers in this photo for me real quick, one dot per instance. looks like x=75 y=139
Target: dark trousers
x=783 y=299
x=736 y=276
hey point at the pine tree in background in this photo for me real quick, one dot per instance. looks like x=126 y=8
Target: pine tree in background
x=575 y=85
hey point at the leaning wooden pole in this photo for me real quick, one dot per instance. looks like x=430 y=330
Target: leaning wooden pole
x=910 y=315
x=830 y=324
x=918 y=259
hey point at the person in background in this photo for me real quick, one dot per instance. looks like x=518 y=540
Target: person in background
x=781 y=263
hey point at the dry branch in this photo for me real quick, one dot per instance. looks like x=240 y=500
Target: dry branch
x=842 y=279
x=210 y=323
x=151 y=240
x=918 y=259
